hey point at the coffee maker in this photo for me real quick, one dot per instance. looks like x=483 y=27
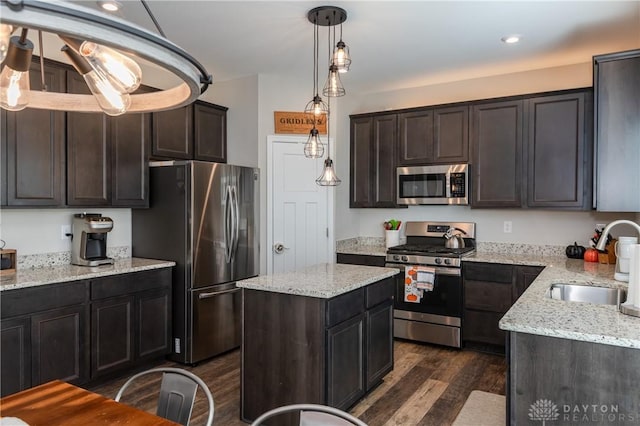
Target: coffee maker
x=89 y=239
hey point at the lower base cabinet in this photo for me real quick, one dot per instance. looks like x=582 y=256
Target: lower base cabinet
x=82 y=330
x=299 y=349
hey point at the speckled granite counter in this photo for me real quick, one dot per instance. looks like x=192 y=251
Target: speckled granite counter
x=324 y=281
x=57 y=274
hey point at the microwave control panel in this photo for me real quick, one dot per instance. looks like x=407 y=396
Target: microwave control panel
x=457 y=182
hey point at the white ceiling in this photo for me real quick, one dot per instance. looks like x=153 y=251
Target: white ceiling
x=394 y=44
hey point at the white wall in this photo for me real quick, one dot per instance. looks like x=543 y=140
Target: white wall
x=33 y=231
x=529 y=226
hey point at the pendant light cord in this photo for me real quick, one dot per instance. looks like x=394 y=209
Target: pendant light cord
x=44 y=83
x=315 y=56
x=153 y=18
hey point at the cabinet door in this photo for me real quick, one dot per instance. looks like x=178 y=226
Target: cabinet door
x=524 y=276
x=416 y=137
x=130 y=140
x=35 y=148
x=58 y=341
x=379 y=341
x=111 y=334
x=345 y=363
x=556 y=148
x=384 y=164
x=451 y=135
x=173 y=133
x=88 y=153
x=15 y=356
x=361 y=171
x=617 y=90
x=154 y=324
x=210 y=132
x=497 y=130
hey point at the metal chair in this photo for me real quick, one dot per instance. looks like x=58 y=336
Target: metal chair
x=313 y=415
x=177 y=394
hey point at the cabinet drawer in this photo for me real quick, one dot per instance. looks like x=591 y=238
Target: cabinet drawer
x=345 y=306
x=488 y=272
x=479 y=326
x=35 y=299
x=378 y=292
x=119 y=285
x=360 y=259
x=487 y=296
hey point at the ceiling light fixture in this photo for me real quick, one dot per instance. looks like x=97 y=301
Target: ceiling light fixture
x=326 y=16
x=107 y=44
x=510 y=39
x=110 y=5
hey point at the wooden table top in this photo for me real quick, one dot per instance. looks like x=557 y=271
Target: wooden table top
x=59 y=403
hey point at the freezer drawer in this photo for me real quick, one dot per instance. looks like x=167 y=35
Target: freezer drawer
x=217 y=313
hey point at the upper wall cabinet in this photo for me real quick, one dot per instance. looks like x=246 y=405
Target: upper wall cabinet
x=194 y=132
x=616 y=81
x=434 y=136
x=533 y=152
x=33 y=145
x=373 y=165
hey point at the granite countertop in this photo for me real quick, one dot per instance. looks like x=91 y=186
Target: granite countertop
x=56 y=274
x=324 y=281
x=364 y=250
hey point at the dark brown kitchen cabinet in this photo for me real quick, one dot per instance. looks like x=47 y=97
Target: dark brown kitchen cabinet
x=616 y=82
x=379 y=345
x=434 y=136
x=559 y=151
x=153 y=320
x=194 y=132
x=345 y=367
x=88 y=153
x=33 y=143
x=524 y=276
x=360 y=259
x=15 y=362
x=497 y=133
x=112 y=332
x=373 y=164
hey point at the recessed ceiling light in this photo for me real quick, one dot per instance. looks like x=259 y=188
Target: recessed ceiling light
x=511 y=39
x=110 y=5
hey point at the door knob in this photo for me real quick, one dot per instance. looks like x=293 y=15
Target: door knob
x=278 y=248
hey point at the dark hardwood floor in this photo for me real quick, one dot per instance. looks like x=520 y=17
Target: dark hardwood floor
x=428 y=386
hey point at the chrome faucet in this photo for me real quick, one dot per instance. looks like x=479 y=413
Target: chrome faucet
x=602 y=242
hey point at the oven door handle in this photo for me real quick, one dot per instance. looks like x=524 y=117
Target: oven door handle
x=453 y=272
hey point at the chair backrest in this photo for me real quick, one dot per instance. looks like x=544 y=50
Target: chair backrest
x=177 y=394
x=313 y=415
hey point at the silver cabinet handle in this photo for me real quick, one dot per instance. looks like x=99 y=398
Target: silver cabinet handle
x=217 y=293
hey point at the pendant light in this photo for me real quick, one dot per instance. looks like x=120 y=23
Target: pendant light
x=328 y=176
x=14 y=78
x=341 y=57
x=5 y=35
x=314 y=148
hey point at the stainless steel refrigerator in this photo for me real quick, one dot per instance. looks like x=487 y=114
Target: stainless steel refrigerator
x=204 y=216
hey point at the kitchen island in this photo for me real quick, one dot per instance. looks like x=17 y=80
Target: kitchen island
x=322 y=335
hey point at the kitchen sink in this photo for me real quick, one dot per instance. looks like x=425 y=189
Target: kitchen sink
x=584 y=293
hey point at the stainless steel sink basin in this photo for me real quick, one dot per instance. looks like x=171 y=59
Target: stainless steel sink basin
x=584 y=293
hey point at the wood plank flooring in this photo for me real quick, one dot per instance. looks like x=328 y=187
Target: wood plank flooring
x=428 y=386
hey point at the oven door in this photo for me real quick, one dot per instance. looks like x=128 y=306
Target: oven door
x=444 y=300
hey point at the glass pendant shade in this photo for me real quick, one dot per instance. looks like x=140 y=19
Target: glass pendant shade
x=328 y=176
x=314 y=148
x=119 y=69
x=341 y=57
x=14 y=78
x=110 y=99
x=317 y=107
x=5 y=35
x=333 y=86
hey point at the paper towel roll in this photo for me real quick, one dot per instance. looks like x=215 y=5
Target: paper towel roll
x=634 y=276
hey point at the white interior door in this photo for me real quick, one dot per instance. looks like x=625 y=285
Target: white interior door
x=301 y=220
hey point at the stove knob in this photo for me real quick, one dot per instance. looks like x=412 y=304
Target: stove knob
x=447 y=261
x=405 y=259
x=438 y=260
x=396 y=257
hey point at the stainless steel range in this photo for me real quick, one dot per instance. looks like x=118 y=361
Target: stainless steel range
x=428 y=302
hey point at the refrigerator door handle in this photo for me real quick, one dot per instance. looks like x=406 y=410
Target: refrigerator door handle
x=228 y=224
x=236 y=236
x=217 y=293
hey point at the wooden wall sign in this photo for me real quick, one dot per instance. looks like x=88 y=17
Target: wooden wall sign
x=298 y=122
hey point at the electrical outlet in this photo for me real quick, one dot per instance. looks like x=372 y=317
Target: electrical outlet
x=600 y=226
x=507 y=226
x=64 y=230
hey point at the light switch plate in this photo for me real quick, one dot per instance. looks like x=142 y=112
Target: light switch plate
x=64 y=230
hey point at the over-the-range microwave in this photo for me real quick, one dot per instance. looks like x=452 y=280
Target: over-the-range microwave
x=441 y=184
